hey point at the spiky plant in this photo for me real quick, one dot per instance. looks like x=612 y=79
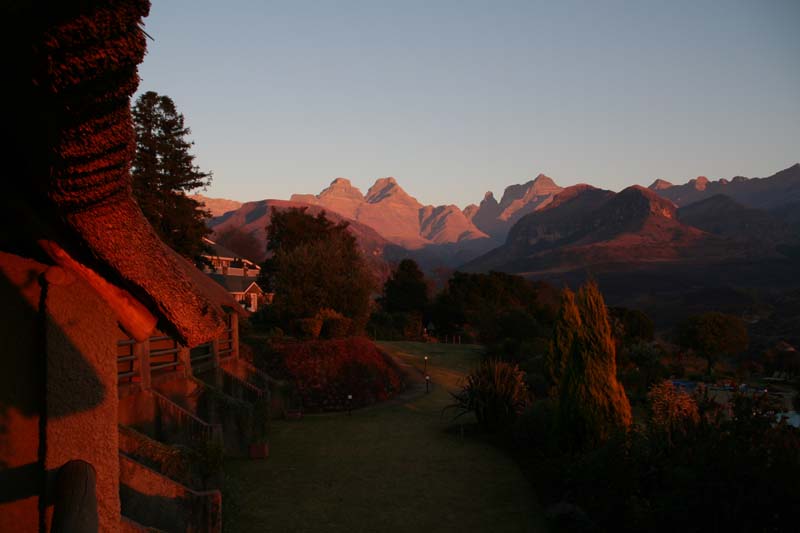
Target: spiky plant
x=495 y=391
x=673 y=412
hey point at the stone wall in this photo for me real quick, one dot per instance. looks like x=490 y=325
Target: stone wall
x=59 y=340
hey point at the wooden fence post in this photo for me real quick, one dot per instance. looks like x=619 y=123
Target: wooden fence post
x=215 y=352
x=235 y=335
x=185 y=359
x=142 y=351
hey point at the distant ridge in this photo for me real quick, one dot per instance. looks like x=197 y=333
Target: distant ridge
x=393 y=213
x=496 y=218
x=585 y=226
x=771 y=192
x=217 y=206
x=541 y=225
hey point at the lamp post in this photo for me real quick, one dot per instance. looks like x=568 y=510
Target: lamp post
x=427 y=384
x=426 y=364
x=349 y=404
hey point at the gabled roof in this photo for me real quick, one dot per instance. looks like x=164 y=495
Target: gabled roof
x=235 y=283
x=217 y=250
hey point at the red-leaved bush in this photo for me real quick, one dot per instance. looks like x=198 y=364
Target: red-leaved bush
x=327 y=371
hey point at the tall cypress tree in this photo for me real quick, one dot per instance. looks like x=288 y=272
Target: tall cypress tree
x=592 y=404
x=566 y=327
x=163 y=172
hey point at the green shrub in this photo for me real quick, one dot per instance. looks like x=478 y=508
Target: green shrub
x=337 y=328
x=496 y=392
x=339 y=374
x=307 y=328
x=334 y=324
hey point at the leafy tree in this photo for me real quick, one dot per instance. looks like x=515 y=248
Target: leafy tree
x=163 y=171
x=484 y=302
x=245 y=244
x=592 y=404
x=293 y=227
x=406 y=291
x=713 y=334
x=631 y=325
x=315 y=265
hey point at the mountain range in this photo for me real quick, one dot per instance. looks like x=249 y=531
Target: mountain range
x=538 y=226
x=253 y=218
x=217 y=206
x=395 y=214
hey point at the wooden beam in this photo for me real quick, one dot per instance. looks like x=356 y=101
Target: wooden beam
x=75 y=499
x=142 y=351
x=235 y=334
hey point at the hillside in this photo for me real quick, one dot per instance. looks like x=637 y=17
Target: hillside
x=253 y=218
x=767 y=193
x=394 y=214
x=721 y=215
x=217 y=206
x=588 y=227
x=496 y=218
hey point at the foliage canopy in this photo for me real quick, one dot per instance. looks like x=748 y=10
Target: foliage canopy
x=163 y=171
x=592 y=404
x=316 y=264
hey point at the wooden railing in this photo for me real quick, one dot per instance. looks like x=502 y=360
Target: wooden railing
x=161 y=354
x=198 y=430
x=127 y=364
x=240 y=387
x=164 y=353
x=226 y=344
x=202 y=354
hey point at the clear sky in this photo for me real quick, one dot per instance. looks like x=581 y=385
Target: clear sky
x=454 y=98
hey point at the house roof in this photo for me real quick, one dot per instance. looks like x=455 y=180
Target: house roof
x=217 y=250
x=78 y=189
x=235 y=283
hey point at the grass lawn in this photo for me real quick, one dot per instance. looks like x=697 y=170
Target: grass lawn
x=398 y=466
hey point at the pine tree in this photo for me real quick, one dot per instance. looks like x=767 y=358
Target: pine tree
x=592 y=404
x=163 y=172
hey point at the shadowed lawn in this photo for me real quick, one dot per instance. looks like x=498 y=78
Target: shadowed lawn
x=399 y=466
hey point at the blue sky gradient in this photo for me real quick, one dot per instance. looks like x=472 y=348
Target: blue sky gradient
x=457 y=98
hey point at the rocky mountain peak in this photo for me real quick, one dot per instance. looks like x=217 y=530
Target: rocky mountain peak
x=470 y=211
x=641 y=196
x=700 y=183
x=660 y=185
x=544 y=184
x=341 y=188
x=488 y=201
x=388 y=189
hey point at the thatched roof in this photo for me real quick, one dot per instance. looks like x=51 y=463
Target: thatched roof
x=80 y=145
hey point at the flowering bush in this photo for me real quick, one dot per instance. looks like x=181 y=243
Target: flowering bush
x=327 y=371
